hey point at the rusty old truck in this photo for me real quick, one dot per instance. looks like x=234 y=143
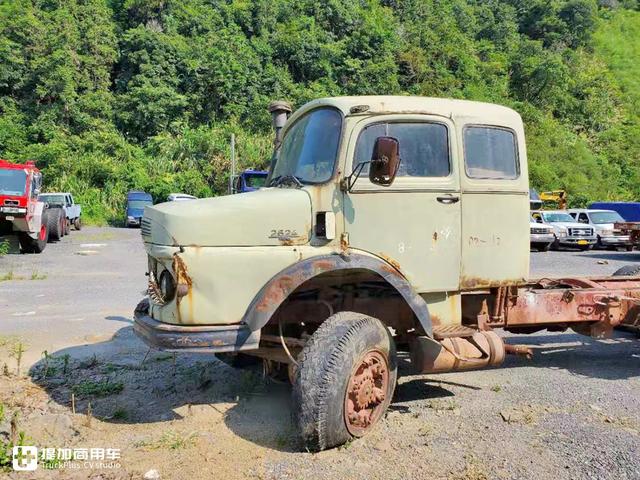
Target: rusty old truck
x=388 y=225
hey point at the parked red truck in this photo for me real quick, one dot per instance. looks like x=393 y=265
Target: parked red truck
x=21 y=213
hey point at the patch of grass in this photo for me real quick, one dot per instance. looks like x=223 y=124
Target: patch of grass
x=443 y=405
x=496 y=388
x=5 y=277
x=4 y=247
x=163 y=357
x=101 y=388
x=120 y=414
x=38 y=276
x=169 y=440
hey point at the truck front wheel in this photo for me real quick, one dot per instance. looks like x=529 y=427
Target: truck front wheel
x=77 y=223
x=345 y=380
x=38 y=244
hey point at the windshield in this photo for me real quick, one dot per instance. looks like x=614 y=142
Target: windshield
x=54 y=199
x=138 y=203
x=12 y=182
x=558 y=217
x=255 y=181
x=605 y=217
x=310 y=147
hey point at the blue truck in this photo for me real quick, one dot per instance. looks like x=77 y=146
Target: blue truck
x=250 y=180
x=630 y=211
x=136 y=201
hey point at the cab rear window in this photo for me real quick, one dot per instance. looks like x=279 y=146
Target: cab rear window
x=490 y=153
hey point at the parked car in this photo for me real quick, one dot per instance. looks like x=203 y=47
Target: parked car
x=180 y=197
x=568 y=232
x=136 y=201
x=629 y=211
x=541 y=236
x=65 y=201
x=603 y=223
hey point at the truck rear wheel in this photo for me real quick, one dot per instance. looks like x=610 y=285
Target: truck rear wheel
x=67 y=225
x=345 y=380
x=77 y=223
x=54 y=222
x=36 y=245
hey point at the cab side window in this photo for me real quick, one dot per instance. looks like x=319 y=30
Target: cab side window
x=424 y=147
x=490 y=153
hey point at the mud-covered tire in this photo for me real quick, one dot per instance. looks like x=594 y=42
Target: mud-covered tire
x=54 y=223
x=67 y=226
x=326 y=365
x=77 y=224
x=627 y=271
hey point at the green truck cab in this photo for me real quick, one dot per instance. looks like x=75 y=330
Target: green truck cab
x=391 y=223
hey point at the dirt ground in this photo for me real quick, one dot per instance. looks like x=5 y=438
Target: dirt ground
x=572 y=412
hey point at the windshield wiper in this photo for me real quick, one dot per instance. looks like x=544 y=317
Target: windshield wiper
x=282 y=179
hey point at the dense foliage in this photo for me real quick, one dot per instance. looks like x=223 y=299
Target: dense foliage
x=110 y=95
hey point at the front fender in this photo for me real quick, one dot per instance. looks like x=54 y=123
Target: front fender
x=276 y=291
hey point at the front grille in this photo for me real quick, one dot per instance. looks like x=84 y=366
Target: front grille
x=581 y=232
x=539 y=231
x=145 y=227
x=11 y=203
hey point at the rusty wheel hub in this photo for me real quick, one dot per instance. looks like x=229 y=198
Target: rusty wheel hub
x=366 y=392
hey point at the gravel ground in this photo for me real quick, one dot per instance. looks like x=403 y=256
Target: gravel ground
x=571 y=412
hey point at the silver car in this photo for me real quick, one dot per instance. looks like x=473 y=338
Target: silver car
x=567 y=231
x=541 y=236
x=603 y=222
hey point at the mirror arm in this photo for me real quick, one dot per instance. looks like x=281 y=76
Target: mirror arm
x=348 y=182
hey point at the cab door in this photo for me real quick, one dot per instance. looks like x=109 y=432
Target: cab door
x=415 y=222
x=495 y=205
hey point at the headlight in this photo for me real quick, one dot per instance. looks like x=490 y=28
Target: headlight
x=130 y=217
x=167 y=286
x=562 y=232
x=606 y=233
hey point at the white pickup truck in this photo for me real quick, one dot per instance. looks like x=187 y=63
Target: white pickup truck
x=65 y=201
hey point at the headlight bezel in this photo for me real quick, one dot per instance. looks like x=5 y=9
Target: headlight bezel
x=167 y=285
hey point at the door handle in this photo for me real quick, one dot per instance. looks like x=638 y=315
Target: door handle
x=448 y=200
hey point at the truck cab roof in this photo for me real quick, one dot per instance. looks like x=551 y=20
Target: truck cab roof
x=386 y=104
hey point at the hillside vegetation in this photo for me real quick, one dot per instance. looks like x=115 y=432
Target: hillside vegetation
x=110 y=95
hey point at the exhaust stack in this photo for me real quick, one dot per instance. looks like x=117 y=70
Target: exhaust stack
x=279 y=111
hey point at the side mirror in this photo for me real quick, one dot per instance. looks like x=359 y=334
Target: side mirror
x=384 y=161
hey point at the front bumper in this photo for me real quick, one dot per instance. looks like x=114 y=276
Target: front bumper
x=577 y=241
x=542 y=237
x=620 y=240
x=134 y=221
x=183 y=338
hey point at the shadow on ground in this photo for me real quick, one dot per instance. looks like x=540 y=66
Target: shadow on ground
x=125 y=382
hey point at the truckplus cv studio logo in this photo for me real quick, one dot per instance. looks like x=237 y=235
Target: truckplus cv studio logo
x=25 y=458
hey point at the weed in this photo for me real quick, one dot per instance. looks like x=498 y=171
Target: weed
x=170 y=440
x=163 y=357
x=16 y=351
x=38 y=276
x=65 y=363
x=4 y=247
x=120 y=414
x=101 y=388
x=496 y=388
x=7 y=276
x=443 y=405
